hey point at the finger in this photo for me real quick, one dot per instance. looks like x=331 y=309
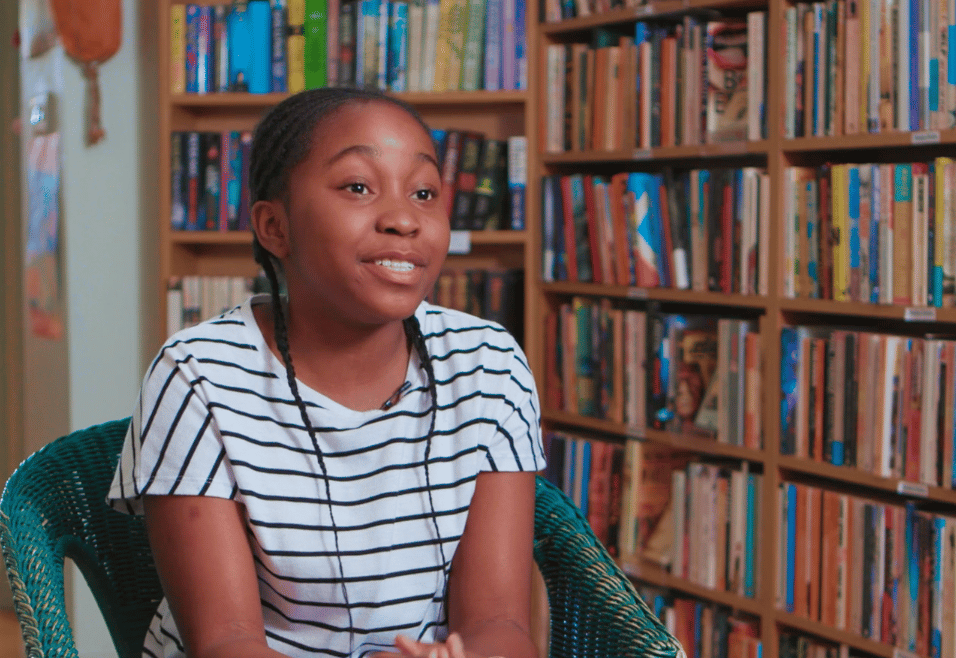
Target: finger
x=455 y=646
x=410 y=647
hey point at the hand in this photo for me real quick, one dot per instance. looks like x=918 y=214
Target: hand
x=450 y=648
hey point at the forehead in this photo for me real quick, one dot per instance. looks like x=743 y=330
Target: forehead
x=373 y=123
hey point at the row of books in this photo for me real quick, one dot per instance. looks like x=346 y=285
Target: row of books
x=704 y=229
x=559 y=10
x=691 y=82
x=262 y=46
x=192 y=299
x=714 y=515
x=494 y=294
x=681 y=373
x=705 y=629
x=875 y=233
x=591 y=473
x=483 y=177
x=880 y=403
x=869 y=66
x=209 y=178
x=881 y=571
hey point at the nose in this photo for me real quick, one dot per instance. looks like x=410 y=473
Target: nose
x=398 y=215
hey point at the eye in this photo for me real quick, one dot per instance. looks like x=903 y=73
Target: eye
x=356 y=188
x=425 y=194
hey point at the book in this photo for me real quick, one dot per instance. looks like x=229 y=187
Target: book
x=491 y=186
x=473 y=55
x=398 y=45
x=260 y=57
x=278 y=59
x=726 y=91
x=295 y=45
x=177 y=49
x=466 y=180
x=517 y=180
x=315 y=29
x=347 y=40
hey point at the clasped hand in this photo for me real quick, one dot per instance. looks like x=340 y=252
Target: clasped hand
x=450 y=648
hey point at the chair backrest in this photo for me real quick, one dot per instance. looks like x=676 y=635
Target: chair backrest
x=53 y=506
x=595 y=610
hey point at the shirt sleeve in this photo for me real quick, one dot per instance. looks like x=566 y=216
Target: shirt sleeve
x=173 y=446
x=516 y=444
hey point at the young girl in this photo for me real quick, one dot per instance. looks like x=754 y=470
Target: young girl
x=345 y=470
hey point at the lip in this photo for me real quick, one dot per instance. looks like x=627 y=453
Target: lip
x=415 y=259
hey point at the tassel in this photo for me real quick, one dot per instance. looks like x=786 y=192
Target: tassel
x=94 y=131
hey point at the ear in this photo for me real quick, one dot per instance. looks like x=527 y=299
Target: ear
x=271 y=225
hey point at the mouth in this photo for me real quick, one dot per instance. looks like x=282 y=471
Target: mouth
x=395 y=265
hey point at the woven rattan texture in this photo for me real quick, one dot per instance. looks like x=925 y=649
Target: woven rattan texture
x=53 y=507
x=595 y=610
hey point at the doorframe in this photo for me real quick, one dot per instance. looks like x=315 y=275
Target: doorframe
x=11 y=247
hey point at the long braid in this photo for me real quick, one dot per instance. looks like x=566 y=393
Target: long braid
x=282 y=343
x=414 y=330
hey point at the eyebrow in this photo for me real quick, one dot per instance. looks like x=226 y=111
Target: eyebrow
x=374 y=152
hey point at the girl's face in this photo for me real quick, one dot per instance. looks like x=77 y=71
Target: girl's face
x=367 y=230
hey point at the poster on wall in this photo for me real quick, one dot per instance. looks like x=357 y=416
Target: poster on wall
x=42 y=279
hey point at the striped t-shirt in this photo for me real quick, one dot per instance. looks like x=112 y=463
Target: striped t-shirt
x=215 y=417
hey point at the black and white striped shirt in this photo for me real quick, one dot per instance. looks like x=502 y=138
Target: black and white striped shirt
x=216 y=417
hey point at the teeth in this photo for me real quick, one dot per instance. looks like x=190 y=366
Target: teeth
x=396 y=265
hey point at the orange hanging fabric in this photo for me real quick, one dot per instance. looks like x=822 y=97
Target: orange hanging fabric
x=91 y=31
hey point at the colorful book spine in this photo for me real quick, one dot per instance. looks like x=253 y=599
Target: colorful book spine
x=260 y=62
x=492 y=45
x=279 y=80
x=177 y=49
x=521 y=46
x=178 y=180
x=220 y=31
x=473 y=57
x=508 y=48
x=398 y=46
x=333 y=49
x=517 y=180
x=295 y=46
x=240 y=52
x=430 y=45
x=316 y=29
x=381 y=44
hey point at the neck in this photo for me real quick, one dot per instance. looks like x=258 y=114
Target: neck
x=358 y=366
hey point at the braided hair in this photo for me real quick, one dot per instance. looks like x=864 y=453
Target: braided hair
x=282 y=140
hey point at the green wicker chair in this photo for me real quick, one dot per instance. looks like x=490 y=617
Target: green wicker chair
x=53 y=507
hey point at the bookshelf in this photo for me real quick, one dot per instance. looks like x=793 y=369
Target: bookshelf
x=770 y=310
x=497 y=114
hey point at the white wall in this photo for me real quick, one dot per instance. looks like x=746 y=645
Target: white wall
x=107 y=264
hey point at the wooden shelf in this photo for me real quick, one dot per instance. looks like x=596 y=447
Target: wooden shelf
x=689 y=442
x=210 y=237
x=689 y=152
x=656 y=294
x=839 y=636
x=647 y=11
x=419 y=99
x=856 y=477
x=244 y=237
x=653 y=574
x=896 y=139
x=859 y=309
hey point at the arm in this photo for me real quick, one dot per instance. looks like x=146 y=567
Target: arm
x=206 y=568
x=489 y=590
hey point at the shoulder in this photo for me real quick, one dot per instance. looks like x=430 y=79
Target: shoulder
x=228 y=336
x=448 y=329
x=459 y=342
